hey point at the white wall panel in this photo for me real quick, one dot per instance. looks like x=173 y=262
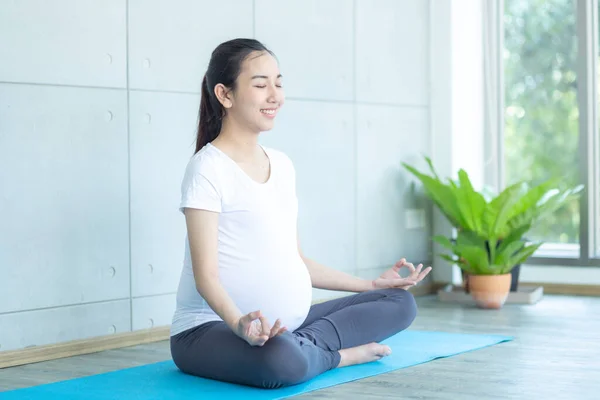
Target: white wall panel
x=89 y=208
x=68 y=42
x=63 y=196
x=154 y=311
x=56 y=325
x=170 y=41
x=388 y=136
x=319 y=139
x=162 y=141
x=313 y=40
x=392 y=56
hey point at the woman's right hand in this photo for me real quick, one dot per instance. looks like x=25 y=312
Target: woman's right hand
x=255 y=329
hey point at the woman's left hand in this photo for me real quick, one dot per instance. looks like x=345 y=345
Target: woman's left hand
x=392 y=279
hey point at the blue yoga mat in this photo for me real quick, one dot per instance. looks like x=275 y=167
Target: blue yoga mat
x=164 y=381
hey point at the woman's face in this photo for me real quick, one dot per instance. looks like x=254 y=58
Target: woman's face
x=258 y=95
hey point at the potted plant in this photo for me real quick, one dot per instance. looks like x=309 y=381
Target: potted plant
x=490 y=228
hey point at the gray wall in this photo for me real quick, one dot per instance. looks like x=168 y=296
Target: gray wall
x=98 y=105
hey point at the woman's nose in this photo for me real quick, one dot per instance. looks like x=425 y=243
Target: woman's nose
x=274 y=94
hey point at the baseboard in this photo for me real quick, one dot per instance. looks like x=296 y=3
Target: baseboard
x=424 y=290
x=568 y=289
x=31 y=355
x=549 y=288
x=435 y=286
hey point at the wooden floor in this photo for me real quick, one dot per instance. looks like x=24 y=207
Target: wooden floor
x=556 y=355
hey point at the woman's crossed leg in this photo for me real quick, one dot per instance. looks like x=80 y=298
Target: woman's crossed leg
x=336 y=333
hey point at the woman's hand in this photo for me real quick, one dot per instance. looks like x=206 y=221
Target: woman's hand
x=392 y=279
x=255 y=329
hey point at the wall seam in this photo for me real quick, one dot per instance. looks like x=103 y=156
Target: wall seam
x=128 y=163
x=355 y=132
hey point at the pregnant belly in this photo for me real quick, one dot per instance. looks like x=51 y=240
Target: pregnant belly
x=283 y=292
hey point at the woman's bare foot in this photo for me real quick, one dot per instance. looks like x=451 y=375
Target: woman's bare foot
x=363 y=354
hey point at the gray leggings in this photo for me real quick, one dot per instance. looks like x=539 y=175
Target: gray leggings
x=213 y=351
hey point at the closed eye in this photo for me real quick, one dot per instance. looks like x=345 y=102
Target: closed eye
x=264 y=86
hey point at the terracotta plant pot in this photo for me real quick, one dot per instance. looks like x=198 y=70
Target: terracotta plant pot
x=489 y=291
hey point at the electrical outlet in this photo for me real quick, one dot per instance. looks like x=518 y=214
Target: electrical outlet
x=414 y=218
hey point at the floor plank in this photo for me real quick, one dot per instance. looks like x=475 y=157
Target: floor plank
x=555 y=355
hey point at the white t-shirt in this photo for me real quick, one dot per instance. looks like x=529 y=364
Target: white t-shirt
x=258 y=259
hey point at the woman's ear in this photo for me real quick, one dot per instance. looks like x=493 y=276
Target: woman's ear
x=223 y=95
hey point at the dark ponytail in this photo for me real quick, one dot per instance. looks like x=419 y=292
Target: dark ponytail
x=224 y=67
x=209 y=122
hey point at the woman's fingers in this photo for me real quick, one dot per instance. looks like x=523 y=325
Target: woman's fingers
x=248 y=318
x=417 y=273
x=257 y=330
x=402 y=282
x=265 y=332
x=266 y=328
x=415 y=276
x=252 y=329
x=419 y=268
x=403 y=263
x=399 y=265
x=420 y=273
x=246 y=324
x=424 y=273
x=275 y=328
x=259 y=341
x=414 y=272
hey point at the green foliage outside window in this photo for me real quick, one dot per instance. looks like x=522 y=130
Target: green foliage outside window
x=541 y=110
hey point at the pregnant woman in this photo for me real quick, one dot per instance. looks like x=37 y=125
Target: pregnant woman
x=244 y=312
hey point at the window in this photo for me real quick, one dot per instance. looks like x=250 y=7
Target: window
x=550 y=117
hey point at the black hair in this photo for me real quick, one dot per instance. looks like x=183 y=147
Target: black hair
x=224 y=67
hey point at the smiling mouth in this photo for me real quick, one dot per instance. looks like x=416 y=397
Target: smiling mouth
x=269 y=112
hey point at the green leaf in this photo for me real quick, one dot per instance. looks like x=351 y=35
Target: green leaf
x=492 y=244
x=498 y=270
x=461 y=265
x=554 y=202
x=517 y=222
x=475 y=257
x=497 y=211
x=444 y=241
x=530 y=199
x=504 y=256
x=469 y=238
x=447 y=257
x=522 y=255
x=549 y=202
x=428 y=161
x=441 y=194
x=514 y=236
x=470 y=203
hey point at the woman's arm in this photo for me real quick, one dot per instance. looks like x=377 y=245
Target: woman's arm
x=324 y=277
x=202 y=228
